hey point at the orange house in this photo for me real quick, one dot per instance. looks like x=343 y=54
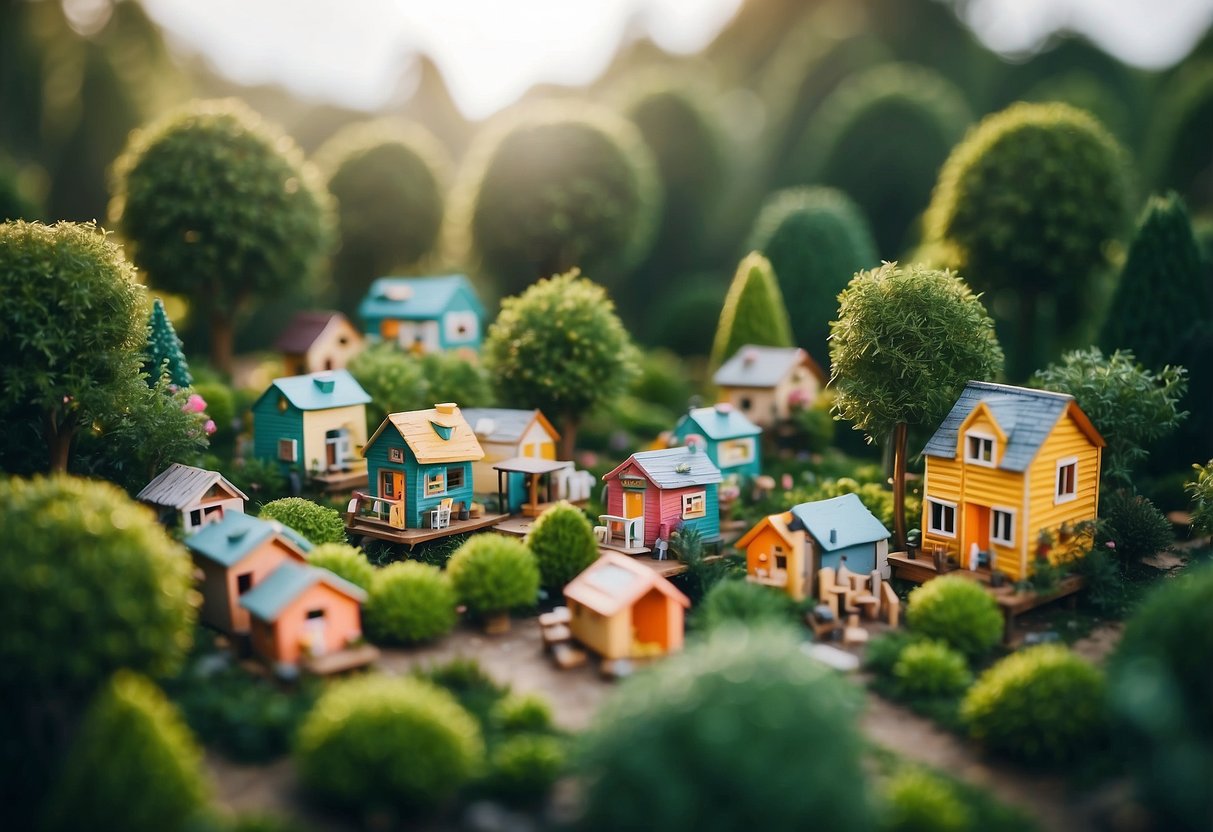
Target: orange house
x=300 y=611
x=235 y=555
x=623 y=609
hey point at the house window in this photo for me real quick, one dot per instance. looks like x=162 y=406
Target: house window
x=195 y=518
x=283 y=404
x=1002 y=526
x=244 y=583
x=979 y=448
x=435 y=482
x=387 y=485
x=781 y=559
x=693 y=505
x=736 y=452
x=395 y=454
x=1067 y=480
x=745 y=403
x=287 y=450
x=454 y=477
x=461 y=326
x=312 y=615
x=942 y=519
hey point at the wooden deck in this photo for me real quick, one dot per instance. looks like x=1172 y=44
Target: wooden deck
x=361 y=526
x=341 y=660
x=516 y=526
x=341 y=480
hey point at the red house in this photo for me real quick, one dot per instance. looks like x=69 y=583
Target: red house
x=655 y=493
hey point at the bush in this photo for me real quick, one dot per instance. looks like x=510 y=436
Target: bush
x=399 y=742
x=344 y=561
x=220 y=406
x=1041 y=705
x=319 y=524
x=133 y=766
x=958 y=612
x=523 y=713
x=1201 y=491
x=1136 y=527
x=1161 y=688
x=466 y=680
x=753 y=311
x=929 y=668
x=493 y=574
x=562 y=540
x=409 y=602
x=522 y=769
x=733 y=732
x=1105 y=589
x=393 y=379
x=741 y=602
x=885 y=650
x=921 y=802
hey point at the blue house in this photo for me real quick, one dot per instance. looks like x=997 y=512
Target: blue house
x=419 y=461
x=424 y=314
x=728 y=438
x=313 y=424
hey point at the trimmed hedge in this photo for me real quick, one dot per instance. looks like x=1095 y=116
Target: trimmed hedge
x=409 y=602
x=958 y=612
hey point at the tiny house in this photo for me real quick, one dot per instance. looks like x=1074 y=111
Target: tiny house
x=729 y=439
x=314 y=342
x=768 y=384
x=424 y=314
x=193 y=496
x=654 y=493
x=313 y=424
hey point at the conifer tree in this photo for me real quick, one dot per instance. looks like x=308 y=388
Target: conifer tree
x=753 y=311
x=164 y=345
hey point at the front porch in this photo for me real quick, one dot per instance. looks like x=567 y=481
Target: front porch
x=539 y=489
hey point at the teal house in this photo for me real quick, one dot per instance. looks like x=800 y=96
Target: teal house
x=424 y=314
x=313 y=424
x=728 y=438
x=421 y=461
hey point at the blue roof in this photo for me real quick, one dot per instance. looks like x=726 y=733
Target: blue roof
x=846 y=516
x=237 y=534
x=674 y=467
x=416 y=298
x=1026 y=416
x=720 y=422
x=320 y=391
x=269 y=598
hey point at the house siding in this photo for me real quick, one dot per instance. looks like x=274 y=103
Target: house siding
x=270 y=425
x=377 y=461
x=342 y=623
x=1065 y=441
x=318 y=422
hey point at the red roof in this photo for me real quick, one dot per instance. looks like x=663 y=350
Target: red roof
x=303 y=330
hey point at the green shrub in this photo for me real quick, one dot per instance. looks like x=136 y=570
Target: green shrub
x=929 y=668
x=409 y=602
x=492 y=574
x=523 y=713
x=884 y=651
x=958 y=612
x=344 y=561
x=1176 y=157
x=917 y=801
x=258 y=478
x=133 y=766
x=733 y=732
x=377 y=740
x=1105 y=589
x=319 y=524
x=220 y=405
x=1041 y=705
x=1133 y=523
x=522 y=769
x=393 y=379
x=741 y=602
x=1200 y=488
x=562 y=540
x=466 y=680
x=753 y=311
x=1160 y=690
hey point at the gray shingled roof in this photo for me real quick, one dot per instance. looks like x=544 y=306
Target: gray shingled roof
x=675 y=467
x=1026 y=416
x=754 y=366
x=507 y=424
x=179 y=486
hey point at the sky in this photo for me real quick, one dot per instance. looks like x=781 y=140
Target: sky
x=490 y=52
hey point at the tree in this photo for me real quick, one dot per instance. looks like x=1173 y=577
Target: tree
x=494 y=574
x=559 y=347
x=72 y=325
x=397 y=380
x=1129 y=405
x=163 y=346
x=753 y=311
x=552 y=190
x=387 y=178
x=816 y=239
x=1026 y=207
x=1176 y=157
x=906 y=342
x=319 y=524
x=220 y=207
x=564 y=545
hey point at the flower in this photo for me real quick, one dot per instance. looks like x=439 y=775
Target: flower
x=195 y=404
x=1111 y=544
x=209 y=427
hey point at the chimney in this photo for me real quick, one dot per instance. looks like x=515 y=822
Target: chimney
x=324 y=382
x=236 y=535
x=833 y=535
x=748 y=356
x=724 y=408
x=447 y=408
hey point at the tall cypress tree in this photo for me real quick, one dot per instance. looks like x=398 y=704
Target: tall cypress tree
x=164 y=345
x=753 y=313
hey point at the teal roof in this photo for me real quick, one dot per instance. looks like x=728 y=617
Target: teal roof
x=237 y=534
x=319 y=391
x=416 y=298
x=269 y=598
x=846 y=516
x=720 y=422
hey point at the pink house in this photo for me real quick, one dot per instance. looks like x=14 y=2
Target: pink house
x=655 y=493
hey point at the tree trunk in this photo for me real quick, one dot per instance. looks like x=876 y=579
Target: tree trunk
x=59 y=441
x=221 y=343
x=899 y=485
x=568 y=436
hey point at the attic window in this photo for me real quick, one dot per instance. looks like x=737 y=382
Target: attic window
x=979 y=448
x=283 y=404
x=444 y=431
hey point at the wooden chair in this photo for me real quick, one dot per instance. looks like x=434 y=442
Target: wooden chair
x=440 y=517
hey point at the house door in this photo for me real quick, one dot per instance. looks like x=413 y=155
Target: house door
x=336 y=448
x=314 y=632
x=633 y=504
x=976 y=533
x=391 y=487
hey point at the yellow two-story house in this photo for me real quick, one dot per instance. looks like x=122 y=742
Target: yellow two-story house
x=1009 y=467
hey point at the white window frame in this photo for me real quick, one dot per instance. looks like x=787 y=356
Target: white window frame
x=981 y=436
x=737 y=451
x=947 y=505
x=294 y=446
x=1009 y=540
x=435 y=482
x=694 y=505
x=1058 y=496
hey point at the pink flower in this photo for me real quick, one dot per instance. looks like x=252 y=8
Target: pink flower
x=786 y=482
x=209 y=427
x=1111 y=544
x=195 y=404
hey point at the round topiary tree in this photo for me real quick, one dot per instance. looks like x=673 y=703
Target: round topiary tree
x=881 y=137
x=1040 y=705
x=397 y=742
x=958 y=612
x=559 y=347
x=133 y=763
x=931 y=668
x=494 y=574
x=319 y=524
x=456 y=377
x=917 y=801
x=221 y=208
x=387 y=180
x=746 y=708
x=1160 y=690
x=733 y=602
x=1026 y=207
x=344 y=561
x=552 y=189
x=816 y=239
x=409 y=602
x=753 y=311
x=72 y=325
x=563 y=543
